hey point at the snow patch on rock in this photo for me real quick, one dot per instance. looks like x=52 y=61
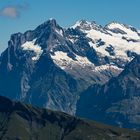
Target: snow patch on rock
x=107 y=67
x=60 y=32
x=31 y=46
x=63 y=60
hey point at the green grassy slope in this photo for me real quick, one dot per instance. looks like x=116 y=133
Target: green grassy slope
x=23 y=122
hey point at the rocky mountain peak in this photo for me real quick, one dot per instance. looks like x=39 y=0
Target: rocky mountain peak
x=82 y=24
x=117 y=27
x=133 y=68
x=86 y=25
x=50 y=24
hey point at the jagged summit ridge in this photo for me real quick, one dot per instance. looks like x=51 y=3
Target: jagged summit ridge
x=108 y=41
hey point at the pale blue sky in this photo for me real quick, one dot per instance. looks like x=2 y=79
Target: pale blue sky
x=21 y=15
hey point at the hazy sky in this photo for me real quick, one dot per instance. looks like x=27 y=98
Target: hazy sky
x=21 y=15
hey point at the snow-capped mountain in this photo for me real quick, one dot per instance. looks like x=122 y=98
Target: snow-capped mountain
x=114 y=40
x=50 y=66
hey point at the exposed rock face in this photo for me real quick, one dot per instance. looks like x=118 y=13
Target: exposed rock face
x=116 y=102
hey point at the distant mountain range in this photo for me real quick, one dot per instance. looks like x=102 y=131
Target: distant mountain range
x=23 y=122
x=52 y=67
